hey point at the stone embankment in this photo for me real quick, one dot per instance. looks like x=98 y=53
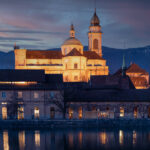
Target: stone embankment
x=103 y=123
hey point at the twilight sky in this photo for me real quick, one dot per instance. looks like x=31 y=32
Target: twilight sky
x=44 y=24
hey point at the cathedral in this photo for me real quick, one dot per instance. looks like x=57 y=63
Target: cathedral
x=75 y=64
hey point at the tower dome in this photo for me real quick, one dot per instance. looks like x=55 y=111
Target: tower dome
x=95 y=20
x=71 y=43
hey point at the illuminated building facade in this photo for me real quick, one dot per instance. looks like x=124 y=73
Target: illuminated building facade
x=75 y=64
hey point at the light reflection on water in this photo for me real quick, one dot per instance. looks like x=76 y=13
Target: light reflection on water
x=74 y=139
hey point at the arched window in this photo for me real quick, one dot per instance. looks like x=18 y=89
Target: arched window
x=95 y=44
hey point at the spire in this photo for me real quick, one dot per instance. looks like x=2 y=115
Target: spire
x=15 y=46
x=124 y=66
x=72 y=31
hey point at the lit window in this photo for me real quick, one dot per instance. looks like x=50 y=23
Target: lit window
x=36 y=95
x=75 y=66
x=20 y=113
x=121 y=112
x=80 y=112
x=70 y=113
x=19 y=94
x=135 y=112
x=36 y=113
x=3 y=94
x=4 y=113
x=75 y=77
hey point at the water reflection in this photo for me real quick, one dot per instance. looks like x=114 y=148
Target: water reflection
x=103 y=137
x=121 y=137
x=75 y=139
x=37 y=138
x=5 y=140
x=21 y=137
x=134 y=137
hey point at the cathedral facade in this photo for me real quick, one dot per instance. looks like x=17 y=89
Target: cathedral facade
x=75 y=64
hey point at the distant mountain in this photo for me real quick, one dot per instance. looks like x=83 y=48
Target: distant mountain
x=140 y=56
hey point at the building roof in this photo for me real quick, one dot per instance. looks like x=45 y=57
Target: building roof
x=103 y=95
x=74 y=52
x=12 y=75
x=92 y=55
x=72 y=41
x=139 y=81
x=43 y=54
x=134 y=68
x=111 y=82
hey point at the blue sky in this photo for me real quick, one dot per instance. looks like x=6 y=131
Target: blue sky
x=44 y=24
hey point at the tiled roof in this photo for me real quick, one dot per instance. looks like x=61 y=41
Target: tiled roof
x=134 y=68
x=43 y=54
x=54 y=54
x=74 y=52
x=91 y=55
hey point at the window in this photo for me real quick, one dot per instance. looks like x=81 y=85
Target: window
x=95 y=44
x=51 y=94
x=75 y=77
x=121 y=112
x=75 y=66
x=3 y=94
x=20 y=113
x=36 y=113
x=36 y=95
x=52 y=112
x=19 y=94
x=135 y=112
x=80 y=112
x=4 y=113
x=70 y=113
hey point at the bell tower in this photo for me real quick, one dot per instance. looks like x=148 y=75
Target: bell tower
x=95 y=35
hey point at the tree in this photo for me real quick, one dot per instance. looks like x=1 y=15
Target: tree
x=13 y=106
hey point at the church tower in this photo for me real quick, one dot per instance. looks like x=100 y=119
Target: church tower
x=95 y=35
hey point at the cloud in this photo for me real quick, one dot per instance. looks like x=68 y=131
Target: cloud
x=48 y=21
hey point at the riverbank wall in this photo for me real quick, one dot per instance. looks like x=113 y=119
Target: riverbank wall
x=103 y=123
